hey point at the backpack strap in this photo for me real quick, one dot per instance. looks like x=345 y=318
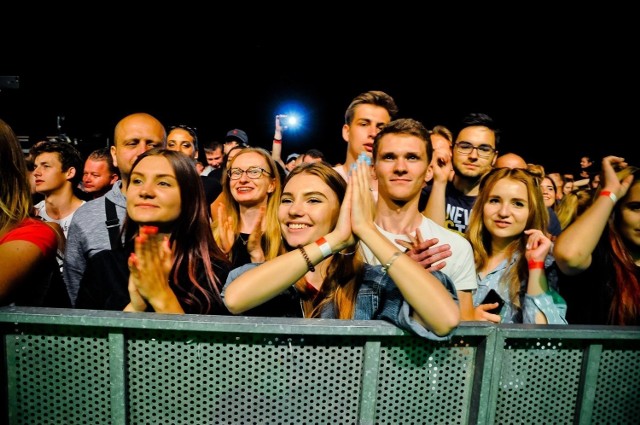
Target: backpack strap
x=113 y=224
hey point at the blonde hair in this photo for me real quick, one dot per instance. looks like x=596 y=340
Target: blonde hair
x=567 y=210
x=271 y=239
x=16 y=203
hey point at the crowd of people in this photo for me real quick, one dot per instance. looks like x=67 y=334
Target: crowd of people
x=420 y=227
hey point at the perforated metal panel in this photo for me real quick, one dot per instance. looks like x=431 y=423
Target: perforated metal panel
x=439 y=375
x=617 y=395
x=539 y=381
x=242 y=379
x=61 y=377
x=85 y=367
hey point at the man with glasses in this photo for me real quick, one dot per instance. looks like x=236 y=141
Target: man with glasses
x=474 y=153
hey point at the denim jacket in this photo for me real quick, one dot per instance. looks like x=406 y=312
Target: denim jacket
x=378 y=299
x=551 y=304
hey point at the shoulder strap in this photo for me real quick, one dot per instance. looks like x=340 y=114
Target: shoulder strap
x=113 y=224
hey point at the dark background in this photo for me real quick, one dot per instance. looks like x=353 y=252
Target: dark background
x=556 y=92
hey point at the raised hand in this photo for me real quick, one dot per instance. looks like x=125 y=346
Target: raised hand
x=254 y=243
x=538 y=245
x=225 y=230
x=150 y=266
x=362 y=203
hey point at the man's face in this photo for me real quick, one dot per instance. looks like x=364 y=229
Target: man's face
x=96 y=177
x=48 y=173
x=368 y=120
x=133 y=137
x=401 y=166
x=472 y=164
x=214 y=158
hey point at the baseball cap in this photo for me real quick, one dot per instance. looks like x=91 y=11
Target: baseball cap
x=238 y=135
x=292 y=157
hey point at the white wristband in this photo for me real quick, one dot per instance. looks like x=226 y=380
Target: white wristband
x=324 y=246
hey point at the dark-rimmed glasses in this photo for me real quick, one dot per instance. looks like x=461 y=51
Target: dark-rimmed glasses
x=252 y=172
x=465 y=148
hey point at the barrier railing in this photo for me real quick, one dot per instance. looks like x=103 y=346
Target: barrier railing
x=102 y=367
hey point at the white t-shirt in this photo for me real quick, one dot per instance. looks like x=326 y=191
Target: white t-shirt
x=460 y=267
x=64 y=222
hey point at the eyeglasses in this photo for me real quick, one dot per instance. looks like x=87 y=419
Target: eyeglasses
x=252 y=173
x=465 y=148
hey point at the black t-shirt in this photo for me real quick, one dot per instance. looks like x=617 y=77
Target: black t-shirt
x=458 y=207
x=104 y=284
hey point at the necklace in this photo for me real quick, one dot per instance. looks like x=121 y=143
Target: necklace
x=242 y=239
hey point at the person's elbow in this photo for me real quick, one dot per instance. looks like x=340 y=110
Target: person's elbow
x=233 y=302
x=447 y=322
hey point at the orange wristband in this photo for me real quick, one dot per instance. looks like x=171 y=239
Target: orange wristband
x=536 y=264
x=609 y=194
x=324 y=246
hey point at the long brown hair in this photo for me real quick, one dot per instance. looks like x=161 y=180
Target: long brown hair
x=340 y=286
x=480 y=237
x=191 y=239
x=625 y=306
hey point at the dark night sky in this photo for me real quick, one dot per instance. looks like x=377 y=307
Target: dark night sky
x=554 y=100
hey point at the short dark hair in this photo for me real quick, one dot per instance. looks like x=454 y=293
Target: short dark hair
x=480 y=119
x=405 y=126
x=104 y=154
x=68 y=155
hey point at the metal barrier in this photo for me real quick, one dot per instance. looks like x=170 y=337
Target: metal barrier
x=102 y=367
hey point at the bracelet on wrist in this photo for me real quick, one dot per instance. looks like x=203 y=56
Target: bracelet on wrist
x=306 y=258
x=610 y=195
x=277 y=141
x=536 y=264
x=389 y=263
x=324 y=246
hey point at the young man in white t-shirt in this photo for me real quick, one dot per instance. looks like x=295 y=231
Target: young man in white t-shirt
x=401 y=157
x=57 y=172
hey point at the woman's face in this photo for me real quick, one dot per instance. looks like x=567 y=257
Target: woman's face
x=308 y=210
x=506 y=211
x=153 y=194
x=246 y=190
x=548 y=192
x=181 y=140
x=567 y=188
x=630 y=216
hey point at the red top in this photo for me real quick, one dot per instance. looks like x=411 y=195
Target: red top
x=36 y=232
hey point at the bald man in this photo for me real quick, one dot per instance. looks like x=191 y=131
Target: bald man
x=510 y=160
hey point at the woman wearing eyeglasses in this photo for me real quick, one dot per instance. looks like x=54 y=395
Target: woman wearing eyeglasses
x=246 y=221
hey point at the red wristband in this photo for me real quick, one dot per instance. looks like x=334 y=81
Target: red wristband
x=609 y=194
x=536 y=264
x=277 y=141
